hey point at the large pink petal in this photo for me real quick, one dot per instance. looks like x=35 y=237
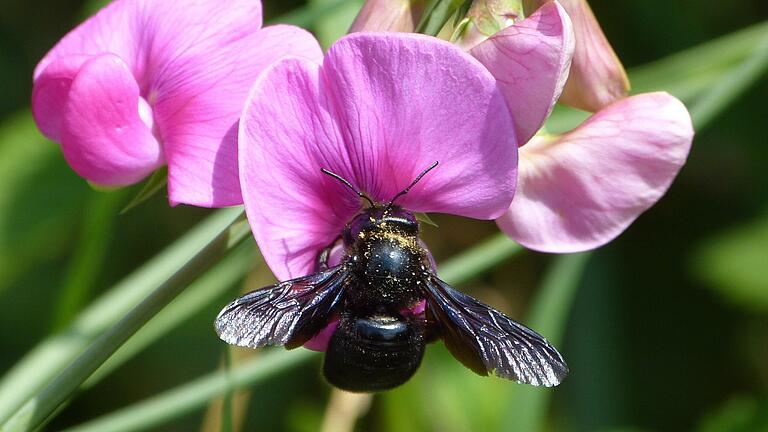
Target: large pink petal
x=150 y=34
x=407 y=100
x=286 y=131
x=198 y=101
x=103 y=136
x=530 y=60
x=581 y=190
x=381 y=109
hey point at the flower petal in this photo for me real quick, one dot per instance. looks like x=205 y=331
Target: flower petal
x=111 y=30
x=103 y=135
x=197 y=106
x=50 y=93
x=597 y=76
x=381 y=109
x=283 y=125
x=147 y=36
x=530 y=60
x=581 y=190
x=405 y=101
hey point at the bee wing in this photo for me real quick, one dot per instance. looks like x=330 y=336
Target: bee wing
x=486 y=340
x=288 y=313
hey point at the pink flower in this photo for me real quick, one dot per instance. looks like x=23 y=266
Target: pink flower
x=530 y=60
x=379 y=109
x=597 y=77
x=144 y=83
x=580 y=190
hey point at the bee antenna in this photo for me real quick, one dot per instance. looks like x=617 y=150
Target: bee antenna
x=362 y=195
x=413 y=183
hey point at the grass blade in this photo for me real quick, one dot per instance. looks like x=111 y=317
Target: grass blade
x=52 y=355
x=195 y=394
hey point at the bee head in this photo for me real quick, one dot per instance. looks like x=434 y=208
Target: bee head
x=381 y=219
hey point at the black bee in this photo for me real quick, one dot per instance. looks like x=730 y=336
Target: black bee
x=378 y=345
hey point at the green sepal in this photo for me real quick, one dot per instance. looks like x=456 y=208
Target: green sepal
x=156 y=181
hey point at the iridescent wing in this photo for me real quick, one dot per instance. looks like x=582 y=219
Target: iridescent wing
x=486 y=340
x=288 y=313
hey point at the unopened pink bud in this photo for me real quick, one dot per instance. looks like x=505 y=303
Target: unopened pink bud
x=389 y=15
x=597 y=77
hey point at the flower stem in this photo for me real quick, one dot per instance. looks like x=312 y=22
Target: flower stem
x=437 y=13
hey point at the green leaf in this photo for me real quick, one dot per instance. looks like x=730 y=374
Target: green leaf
x=226 y=406
x=211 y=286
x=480 y=258
x=195 y=394
x=53 y=354
x=706 y=77
x=424 y=218
x=153 y=185
x=37 y=410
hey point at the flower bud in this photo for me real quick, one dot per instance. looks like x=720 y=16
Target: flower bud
x=389 y=15
x=597 y=77
x=486 y=18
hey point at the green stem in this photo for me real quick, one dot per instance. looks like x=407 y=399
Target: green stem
x=36 y=410
x=480 y=258
x=731 y=86
x=436 y=14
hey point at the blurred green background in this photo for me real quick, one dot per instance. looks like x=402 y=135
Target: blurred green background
x=668 y=329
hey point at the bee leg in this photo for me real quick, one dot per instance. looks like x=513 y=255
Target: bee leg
x=322 y=258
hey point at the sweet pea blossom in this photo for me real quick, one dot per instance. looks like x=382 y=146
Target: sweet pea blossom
x=579 y=190
x=596 y=76
x=145 y=83
x=378 y=110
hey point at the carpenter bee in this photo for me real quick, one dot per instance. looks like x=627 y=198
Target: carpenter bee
x=375 y=291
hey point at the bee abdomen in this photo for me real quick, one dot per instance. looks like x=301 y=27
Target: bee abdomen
x=373 y=354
